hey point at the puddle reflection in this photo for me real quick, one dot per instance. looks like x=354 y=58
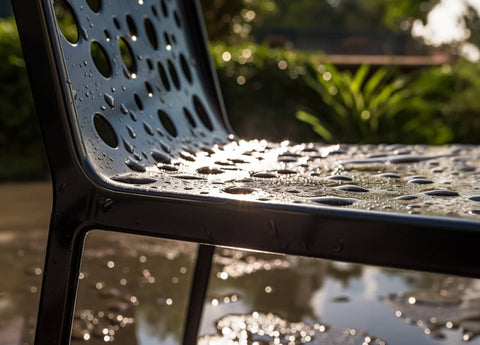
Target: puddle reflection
x=134 y=290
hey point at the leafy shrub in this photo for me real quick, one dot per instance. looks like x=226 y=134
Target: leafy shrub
x=21 y=152
x=382 y=107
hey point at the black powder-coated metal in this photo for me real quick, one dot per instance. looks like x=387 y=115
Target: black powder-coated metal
x=148 y=150
x=198 y=292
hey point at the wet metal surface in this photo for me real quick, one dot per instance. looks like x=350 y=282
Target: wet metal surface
x=440 y=181
x=133 y=290
x=145 y=107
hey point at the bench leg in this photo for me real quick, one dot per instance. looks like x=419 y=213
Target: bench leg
x=198 y=291
x=59 y=287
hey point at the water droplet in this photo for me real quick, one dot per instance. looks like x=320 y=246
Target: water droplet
x=389 y=175
x=147 y=128
x=286 y=172
x=132 y=179
x=352 y=188
x=109 y=99
x=334 y=201
x=167 y=167
x=160 y=157
x=84 y=33
x=340 y=178
x=239 y=190
x=439 y=192
x=132 y=164
x=264 y=175
x=407 y=197
x=128 y=146
x=123 y=109
x=209 y=171
x=420 y=181
x=189 y=177
x=131 y=132
x=133 y=116
x=187 y=156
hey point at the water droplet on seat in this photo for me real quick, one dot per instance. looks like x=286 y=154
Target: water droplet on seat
x=167 y=167
x=340 y=178
x=134 y=179
x=389 y=175
x=441 y=193
x=286 y=172
x=420 y=181
x=132 y=164
x=209 y=171
x=352 y=188
x=334 y=201
x=264 y=175
x=407 y=197
x=161 y=157
x=239 y=190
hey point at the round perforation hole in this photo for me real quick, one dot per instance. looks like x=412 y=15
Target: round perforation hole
x=163 y=76
x=185 y=68
x=105 y=130
x=138 y=101
x=189 y=117
x=116 y=22
x=107 y=35
x=149 y=63
x=132 y=28
x=127 y=56
x=173 y=74
x=167 y=38
x=149 y=89
x=202 y=113
x=164 y=8
x=167 y=123
x=95 y=5
x=151 y=33
x=66 y=20
x=154 y=11
x=177 y=19
x=100 y=59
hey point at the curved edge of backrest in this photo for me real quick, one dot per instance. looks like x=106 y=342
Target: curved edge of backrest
x=47 y=91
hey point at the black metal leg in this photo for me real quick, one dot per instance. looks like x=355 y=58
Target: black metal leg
x=197 y=293
x=59 y=285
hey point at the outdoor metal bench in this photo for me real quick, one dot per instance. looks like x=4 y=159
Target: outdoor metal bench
x=138 y=141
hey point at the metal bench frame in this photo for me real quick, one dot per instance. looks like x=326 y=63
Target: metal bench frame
x=83 y=201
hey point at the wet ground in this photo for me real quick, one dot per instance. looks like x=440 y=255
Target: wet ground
x=133 y=290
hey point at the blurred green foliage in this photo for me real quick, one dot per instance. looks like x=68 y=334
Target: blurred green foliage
x=233 y=21
x=21 y=152
x=263 y=88
x=379 y=107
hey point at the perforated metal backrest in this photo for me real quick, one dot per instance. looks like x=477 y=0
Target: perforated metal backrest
x=139 y=79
